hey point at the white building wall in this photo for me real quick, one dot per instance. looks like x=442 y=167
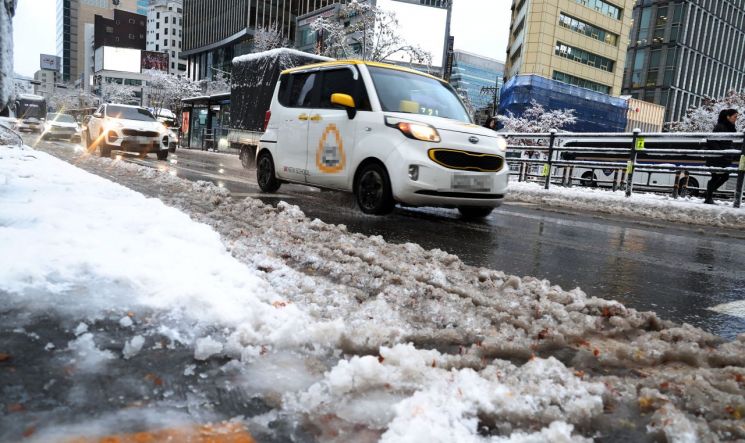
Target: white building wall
x=164 y=32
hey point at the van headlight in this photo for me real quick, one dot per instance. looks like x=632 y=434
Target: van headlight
x=502 y=144
x=415 y=130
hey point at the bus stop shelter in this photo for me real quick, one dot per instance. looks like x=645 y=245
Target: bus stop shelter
x=205 y=121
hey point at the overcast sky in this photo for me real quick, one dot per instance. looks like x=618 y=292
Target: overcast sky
x=479 y=26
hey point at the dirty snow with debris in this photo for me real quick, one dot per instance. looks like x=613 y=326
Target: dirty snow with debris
x=689 y=210
x=342 y=337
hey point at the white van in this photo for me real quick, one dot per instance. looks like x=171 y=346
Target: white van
x=388 y=134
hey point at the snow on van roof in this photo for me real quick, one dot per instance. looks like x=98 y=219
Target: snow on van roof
x=277 y=53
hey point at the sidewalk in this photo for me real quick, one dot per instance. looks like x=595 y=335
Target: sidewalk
x=689 y=210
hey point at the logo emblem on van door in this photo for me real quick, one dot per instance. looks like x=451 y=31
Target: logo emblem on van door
x=330 y=157
x=473 y=139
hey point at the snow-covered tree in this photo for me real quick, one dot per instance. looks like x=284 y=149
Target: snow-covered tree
x=537 y=119
x=63 y=99
x=268 y=38
x=703 y=117
x=372 y=34
x=166 y=91
x=218 y=85
x=117 y=93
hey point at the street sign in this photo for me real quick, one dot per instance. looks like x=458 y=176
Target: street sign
x=51 y=62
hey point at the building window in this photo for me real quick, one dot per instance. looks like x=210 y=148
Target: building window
x=581 y=82
x=584 y=57
x=603 y=7
x=587 y=29
x=173 y=43
x=516 y=55
x=165 y=31
x=157 y=47
x=166 y=19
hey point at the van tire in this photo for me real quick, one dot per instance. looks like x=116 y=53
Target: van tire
x=372 y=188
x=162 y=154
x=475 y=212
x=265 y=173
x=104 y=150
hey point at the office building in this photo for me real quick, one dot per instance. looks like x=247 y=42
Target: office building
x=71 y=18
x=479 y=80
x=123 y=30
x=579 y=42
x=216 y=31
x=164 y=32
x=48 y=80
x=684 y=51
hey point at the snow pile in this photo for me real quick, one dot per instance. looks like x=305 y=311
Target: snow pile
x=98 y=256
x=653 y=206
x=348 y=337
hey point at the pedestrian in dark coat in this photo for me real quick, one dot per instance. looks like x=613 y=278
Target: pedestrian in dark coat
x=725 y=123
x=491 y=123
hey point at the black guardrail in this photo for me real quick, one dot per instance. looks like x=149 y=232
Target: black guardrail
x=677 y=155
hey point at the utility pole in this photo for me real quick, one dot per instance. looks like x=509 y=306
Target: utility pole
x=494 y=91
x=446 y=50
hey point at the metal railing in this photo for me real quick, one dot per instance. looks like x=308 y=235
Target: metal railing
x=555 y=169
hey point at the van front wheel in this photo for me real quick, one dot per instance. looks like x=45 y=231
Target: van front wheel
x=373 y=190
x=265 y=176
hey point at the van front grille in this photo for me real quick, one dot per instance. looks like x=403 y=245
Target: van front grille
x=466 y=161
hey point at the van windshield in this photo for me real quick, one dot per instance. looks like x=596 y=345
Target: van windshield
x=401 y=91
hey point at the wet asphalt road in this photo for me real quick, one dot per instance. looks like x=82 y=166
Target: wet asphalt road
x=677 y=271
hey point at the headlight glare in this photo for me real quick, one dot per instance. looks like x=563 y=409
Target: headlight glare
x=502 y=144
x=415 y=130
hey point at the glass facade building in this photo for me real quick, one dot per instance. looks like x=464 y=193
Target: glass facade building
x=682 y=51
x=472 y=74
x=216 y=31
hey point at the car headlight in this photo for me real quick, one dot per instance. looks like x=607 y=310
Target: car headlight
x=113 y=125
x=414 y=130
x=502 y=144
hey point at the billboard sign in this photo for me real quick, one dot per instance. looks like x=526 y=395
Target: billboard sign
x=110 y=58
x=154 y=60
x=51 y=62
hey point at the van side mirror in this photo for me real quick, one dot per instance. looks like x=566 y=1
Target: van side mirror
x=345 y=101
x=97 y=115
